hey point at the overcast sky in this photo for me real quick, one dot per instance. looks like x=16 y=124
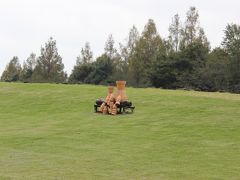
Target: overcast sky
x=25 y=25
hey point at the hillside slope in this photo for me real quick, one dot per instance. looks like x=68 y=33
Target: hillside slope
x=49 y=131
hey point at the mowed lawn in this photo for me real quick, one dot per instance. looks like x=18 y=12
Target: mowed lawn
x=49 y=131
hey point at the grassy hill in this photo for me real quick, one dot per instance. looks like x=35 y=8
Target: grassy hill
x=49 y=131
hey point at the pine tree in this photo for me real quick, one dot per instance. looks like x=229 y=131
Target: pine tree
x=28 y=68
x=86 y=56
x=12 y=70
x=49 y=67
x=147 y=49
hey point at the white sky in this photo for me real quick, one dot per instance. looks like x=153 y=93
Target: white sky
x=25 y=25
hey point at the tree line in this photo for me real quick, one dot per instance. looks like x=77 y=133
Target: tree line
x=182 y=60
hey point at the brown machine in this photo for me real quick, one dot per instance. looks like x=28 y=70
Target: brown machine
x=115 y=104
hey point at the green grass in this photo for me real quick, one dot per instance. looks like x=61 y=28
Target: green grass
x=49 y=131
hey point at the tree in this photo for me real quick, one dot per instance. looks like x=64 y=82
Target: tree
x=127 y=50
x=28 y=68
x=146 y=51
x=86 y=55
x=193 y=48
x=110 y=50
x=191 y=62
x=83 y=66
x=49 y=67
x=102 y=71
x=81 y=72
x=163 y=72
x=118 y=65
x=175 y=30
x=191 y=28
x=202 y=38
x=231 y=45
x=231 y=41
x=215 y=74
x=12 y=70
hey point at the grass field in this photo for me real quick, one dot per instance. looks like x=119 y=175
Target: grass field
x=49 y=131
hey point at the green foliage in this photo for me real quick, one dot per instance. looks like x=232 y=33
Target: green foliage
x=196 y=53
x=231 y=44
x=83 y=66
x=110 y=50
x=80 y=73
x=12 y=70
x=99 y=71
x=102 y=71
x=86 y=56
x=175 y=30
x=183 y=60
x=191 y=28
x=49 y=66
x=162 y=74
x=147 y=48
x=28 y=68
x=215 y=75
x=127 y=50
